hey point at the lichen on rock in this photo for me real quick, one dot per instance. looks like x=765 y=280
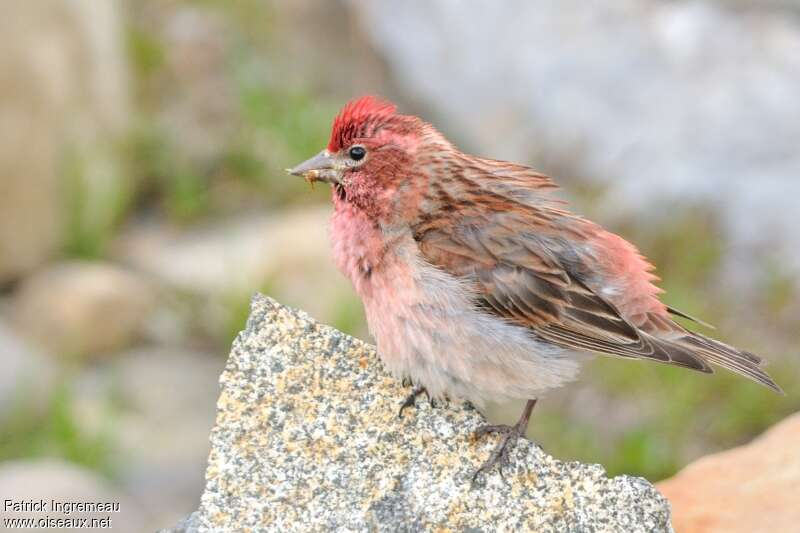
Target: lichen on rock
x=308 y=438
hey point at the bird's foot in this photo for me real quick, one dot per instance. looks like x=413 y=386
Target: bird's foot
x=500 y=456
x=411 y=399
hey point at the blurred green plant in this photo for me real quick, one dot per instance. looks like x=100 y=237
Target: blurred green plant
x=145 y=52
x=349 y=317
x=281 y=128
x=177 y=187
x=778 y=290
x=55 y=431
x=678 y=415
x=278 y=130
x=97 y=197
x=274 y=125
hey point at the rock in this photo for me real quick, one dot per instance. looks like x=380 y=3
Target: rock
x=186 y=525
x=747 y=489
x=288 y=252
x=63 y=90
x=82 y=308
x=307 y=438
x=26 y=373
x=642 y=97
x=53 y=479
x=230 y=253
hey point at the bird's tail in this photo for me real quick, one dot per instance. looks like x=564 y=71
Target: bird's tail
x=720 y=354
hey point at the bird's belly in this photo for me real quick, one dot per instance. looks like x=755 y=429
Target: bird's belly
x=427 y=327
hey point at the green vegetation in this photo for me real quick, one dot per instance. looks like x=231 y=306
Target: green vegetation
x=349 y=316
x=674 y=416
x=96 y=200
x=264 y=125
x=55 y=431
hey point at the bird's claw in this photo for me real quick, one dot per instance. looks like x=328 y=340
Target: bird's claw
x=500 y=456
x=411 y=399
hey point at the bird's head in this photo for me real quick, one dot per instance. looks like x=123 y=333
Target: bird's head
x=370 y=158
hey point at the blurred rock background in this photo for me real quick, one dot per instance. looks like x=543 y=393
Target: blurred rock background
x=143 y=201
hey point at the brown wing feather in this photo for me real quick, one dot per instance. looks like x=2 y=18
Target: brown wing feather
x=532 y=289
x=540 y=281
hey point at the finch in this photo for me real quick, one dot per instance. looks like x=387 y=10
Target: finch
x=477 y=283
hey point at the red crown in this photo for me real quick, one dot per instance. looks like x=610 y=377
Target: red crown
x=357 y=119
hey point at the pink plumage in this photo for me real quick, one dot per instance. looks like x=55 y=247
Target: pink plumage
x=477 y=283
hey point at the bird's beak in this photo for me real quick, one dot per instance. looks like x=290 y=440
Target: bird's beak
x=318 y=168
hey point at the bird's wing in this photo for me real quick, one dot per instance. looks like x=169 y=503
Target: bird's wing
x=523 y=279
x=527 y=268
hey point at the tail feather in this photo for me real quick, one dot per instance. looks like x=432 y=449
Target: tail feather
x=678 y=312
x=720 y=354
x=675 y=354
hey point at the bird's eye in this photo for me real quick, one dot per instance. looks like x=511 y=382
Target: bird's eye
x=357 y=153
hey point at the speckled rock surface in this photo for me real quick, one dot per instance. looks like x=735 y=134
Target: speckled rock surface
x=307 y=438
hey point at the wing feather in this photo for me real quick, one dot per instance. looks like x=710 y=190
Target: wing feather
x=543 y=280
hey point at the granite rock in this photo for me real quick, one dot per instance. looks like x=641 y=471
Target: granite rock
x=308 y=438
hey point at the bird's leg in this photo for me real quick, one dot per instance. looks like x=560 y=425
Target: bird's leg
x=412 y=398
x=510 y=435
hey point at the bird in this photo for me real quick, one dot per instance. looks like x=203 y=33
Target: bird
x=478 y=284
